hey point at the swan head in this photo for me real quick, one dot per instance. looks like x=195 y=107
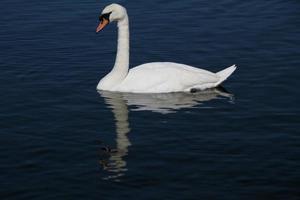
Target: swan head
x=112 y=12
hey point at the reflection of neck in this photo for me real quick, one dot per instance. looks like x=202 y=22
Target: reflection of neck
x=120 y=111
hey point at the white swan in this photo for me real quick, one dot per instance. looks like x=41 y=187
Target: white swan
x=156 y=77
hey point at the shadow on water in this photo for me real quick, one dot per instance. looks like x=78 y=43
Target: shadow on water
x=113 y=159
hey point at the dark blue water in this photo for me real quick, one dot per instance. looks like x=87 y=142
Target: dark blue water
x=61 y=139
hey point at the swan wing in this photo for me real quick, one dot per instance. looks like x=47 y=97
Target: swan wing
x=160 y=77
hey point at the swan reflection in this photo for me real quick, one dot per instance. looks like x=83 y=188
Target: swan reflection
x=116 y=165
x=165 y=103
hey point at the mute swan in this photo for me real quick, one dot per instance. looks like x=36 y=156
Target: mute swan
x=156 y=77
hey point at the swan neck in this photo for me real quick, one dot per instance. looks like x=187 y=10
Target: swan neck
x=122 y=58
x=120 y=69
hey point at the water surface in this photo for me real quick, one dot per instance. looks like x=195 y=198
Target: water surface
x=61 y=139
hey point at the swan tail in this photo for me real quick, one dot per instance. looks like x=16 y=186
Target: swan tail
x=225 y=73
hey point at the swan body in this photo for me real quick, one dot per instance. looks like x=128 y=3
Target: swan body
x=164 y=77
x=156 y=77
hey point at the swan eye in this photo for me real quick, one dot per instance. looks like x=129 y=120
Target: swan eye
x=104 y=16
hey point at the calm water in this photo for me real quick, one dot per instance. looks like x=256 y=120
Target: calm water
x=61 y=139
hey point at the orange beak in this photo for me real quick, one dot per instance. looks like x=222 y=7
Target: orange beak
x=102 y=24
